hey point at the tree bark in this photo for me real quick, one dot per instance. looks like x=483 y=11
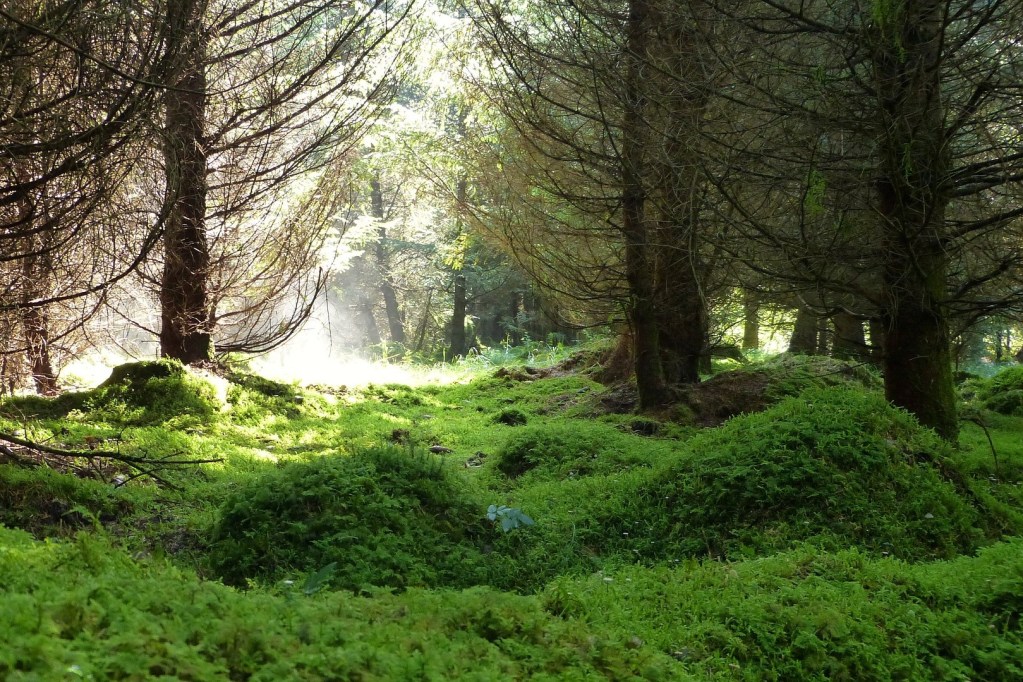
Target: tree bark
x=750 y=321
x=912 y=203
x=850 y=341
x=458 y=339
x=675 y=113
x=185 y=333
x=36 y=272
x=638 y=263
x=804 y=333
x=36 y=276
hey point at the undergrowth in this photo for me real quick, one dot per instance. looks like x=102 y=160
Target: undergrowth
x=820 y=534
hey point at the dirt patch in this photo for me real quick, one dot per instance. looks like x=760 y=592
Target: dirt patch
x=726 y=395
x=619 y=399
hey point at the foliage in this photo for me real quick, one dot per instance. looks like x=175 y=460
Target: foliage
x=152 y=392
x=1003 y=393
x=792 y=373
x=838 y=463
x=510 y=517
x=86 y=610
x=309 y=501
x=810 y=615
x=386 y=517
x=47 y=502
x=564 y=449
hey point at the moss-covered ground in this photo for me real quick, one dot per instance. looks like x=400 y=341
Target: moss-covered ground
x=526 y=524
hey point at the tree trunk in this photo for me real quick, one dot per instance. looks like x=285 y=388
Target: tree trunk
x=458 y=342
x=912 y=203
x=750 y=321
x=185 y=315
x=369 y=322
x=804 y=334
x=850 y=342
x=36 y=272
x=36 y=277
x=424 y=323
x=395 y=324
x=516 y=306
x=674 y=115
x=36 y=327
x=638 y=264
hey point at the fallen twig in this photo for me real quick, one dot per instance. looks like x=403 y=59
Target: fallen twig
x=144 y=466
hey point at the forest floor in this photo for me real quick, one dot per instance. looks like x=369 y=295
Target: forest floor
x=781 y=522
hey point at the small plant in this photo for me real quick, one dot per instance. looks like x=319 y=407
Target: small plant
x=510 y=517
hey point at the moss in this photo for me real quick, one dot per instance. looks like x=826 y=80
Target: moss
x=384 y=516
x=812 y=615
x=87 y=610
x=838 y=463
x=1003 y=393
x=567 y=449
x=47 y=502
x=153 y=392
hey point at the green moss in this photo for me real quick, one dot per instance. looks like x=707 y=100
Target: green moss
x=88 y=611
x=153 y=392
x=811 y=615
x=1003 y=393
x=837 y=463
x=47 y=502
x=565 y=449
x=384 y=516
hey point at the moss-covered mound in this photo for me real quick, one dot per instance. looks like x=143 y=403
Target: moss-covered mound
x=1003 y=393
x=838 y=463
x=381 y=517
x=753 y=389
x=565 y=449
x=154 y=392
x=47 y=502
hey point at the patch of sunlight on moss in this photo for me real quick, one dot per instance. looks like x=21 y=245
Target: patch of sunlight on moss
x=353 y=371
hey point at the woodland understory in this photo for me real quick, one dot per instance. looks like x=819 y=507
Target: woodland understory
x=531 y=339
x=779 y=521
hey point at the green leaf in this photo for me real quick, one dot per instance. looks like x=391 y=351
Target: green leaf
x=317 y=581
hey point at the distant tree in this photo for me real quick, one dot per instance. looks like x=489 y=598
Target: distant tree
x=267 y=97
x=874 y=157
x=79 y=83
x=606 y=102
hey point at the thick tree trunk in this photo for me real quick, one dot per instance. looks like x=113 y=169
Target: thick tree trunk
x=674 y=115
x=395 y=323
x=918 y=353
x=804 y=333
x=185 y=315
x=36 y=278
x=638 y=263
x=36 y=327
x=850 y=341
x=750 y=321
x=911 y=202
x=683 y=321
